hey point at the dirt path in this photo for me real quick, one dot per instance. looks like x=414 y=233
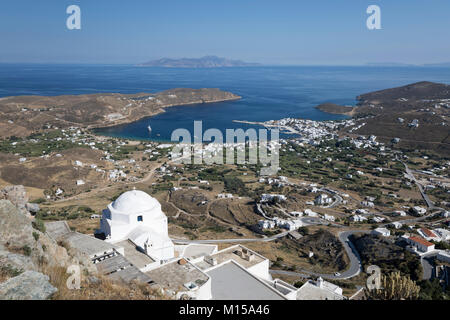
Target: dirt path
x=147 y=178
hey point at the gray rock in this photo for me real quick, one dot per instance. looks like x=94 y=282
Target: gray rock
x=17 y=195
x=30 y=285
x=32 y=207
x=16 y=261
x=15 y=228
x=16 y=232
x=94 y=280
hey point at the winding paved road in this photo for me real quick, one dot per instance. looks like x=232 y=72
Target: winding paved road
x=355 y=267
x=428 y=265
x=355 y=260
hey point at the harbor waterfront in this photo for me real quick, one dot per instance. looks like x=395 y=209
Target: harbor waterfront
x=268 y=93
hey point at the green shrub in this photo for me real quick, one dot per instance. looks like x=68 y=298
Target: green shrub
x=10 y=271
x=38 y=224
x=26 y=250
x=35 y=236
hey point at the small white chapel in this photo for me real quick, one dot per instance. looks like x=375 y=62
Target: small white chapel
x=138 y=217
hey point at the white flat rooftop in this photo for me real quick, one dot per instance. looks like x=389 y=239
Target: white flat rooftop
x=197 y=250
x=173 y=276
x=231 y=282
x=129 y=274
x=132 y=254
x=87 y=244
x=310 y=291
x=232 y=253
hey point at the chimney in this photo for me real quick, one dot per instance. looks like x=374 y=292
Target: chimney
x=212 y=261
x=320 y=282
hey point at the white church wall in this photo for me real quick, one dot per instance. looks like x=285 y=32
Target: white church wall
x=261 y=270
x=119 y=232
x=164 y=253
x=137 y=216
x=205 y=291
x=118 y=216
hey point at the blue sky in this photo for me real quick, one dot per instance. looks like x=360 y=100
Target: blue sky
x=327 y=32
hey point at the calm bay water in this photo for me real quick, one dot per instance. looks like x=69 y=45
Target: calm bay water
x=268 y=92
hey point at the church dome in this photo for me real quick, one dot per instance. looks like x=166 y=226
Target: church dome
x=135 y=201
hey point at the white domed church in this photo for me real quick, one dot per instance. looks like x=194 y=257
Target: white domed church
x=136 y=216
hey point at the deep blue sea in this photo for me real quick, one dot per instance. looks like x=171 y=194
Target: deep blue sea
x=268 y=92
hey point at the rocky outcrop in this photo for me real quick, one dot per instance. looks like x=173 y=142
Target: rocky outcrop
x=30 y=285
x=23 y=252
x=15 y=228
x=32 y=208
x=15 y=261
x=17 y=195
x=18 y=236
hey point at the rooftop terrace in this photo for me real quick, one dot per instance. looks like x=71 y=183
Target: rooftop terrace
x=87 y=244
x=173 y=276
x=231 y=282
x=136 y=257
x=245 y=257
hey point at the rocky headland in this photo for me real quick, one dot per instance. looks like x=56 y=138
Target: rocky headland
x=22 y=116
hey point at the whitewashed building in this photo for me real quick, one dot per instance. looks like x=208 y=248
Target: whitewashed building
x=427 y=234
x=138 y=217
x=444 y=256
x=266 y=224
x=358 y=218
x=269 y=197
x=419 y=210
x=381 y=232
x=420 y=244
x=323 y=200
x=396 y=225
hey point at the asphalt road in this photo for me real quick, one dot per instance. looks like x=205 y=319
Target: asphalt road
x=425 y=197
x=355 y=267
x=355 y=261
x=333 y=193
x=428 y=265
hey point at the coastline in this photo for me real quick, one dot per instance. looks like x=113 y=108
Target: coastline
x=289 y=129
x=22 y=116
x=333 y=108
x=161 y=110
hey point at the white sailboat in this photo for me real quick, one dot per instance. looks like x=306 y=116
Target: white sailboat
x=149 y=128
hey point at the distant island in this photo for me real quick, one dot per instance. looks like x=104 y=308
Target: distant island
x=399 y=64
x=442 y=64
x=390 y=64
x=204 y=62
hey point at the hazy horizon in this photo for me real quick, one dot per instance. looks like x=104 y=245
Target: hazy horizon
x=368 y=64
x=290 y=33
